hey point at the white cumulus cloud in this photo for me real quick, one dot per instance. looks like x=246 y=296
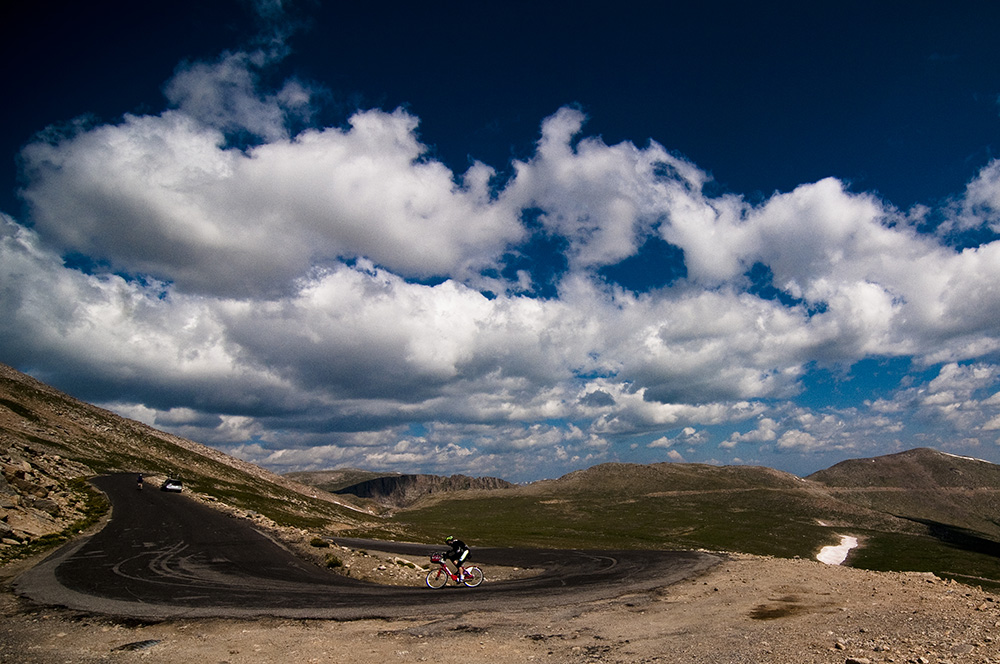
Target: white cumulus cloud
x=336 y=295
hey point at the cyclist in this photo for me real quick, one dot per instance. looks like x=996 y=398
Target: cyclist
x=459 y=552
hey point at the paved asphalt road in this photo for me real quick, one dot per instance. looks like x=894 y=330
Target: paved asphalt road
x=165 y=555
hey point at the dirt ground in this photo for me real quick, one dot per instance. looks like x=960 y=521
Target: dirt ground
x=746 y=609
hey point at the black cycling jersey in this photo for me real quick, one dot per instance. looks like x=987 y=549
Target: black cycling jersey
x=459 y=551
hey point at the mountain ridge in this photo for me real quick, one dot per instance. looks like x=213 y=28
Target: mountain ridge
x=903 y=469
x=918 y=502
x=404 y=490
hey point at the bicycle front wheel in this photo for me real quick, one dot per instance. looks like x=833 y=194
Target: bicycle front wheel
x=436 y=578
x=474 y=576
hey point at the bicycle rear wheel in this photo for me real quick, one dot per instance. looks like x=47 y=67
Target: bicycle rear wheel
x=474 y=576
x=436 y=578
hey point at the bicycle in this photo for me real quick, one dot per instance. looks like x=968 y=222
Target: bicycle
x=438 y=577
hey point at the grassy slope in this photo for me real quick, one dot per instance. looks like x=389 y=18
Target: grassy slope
x=689 y=506
x=920 y=510
x=756 y=510
x=924 y=485
x=953 y=501
x=335 y=480
x=35 y=415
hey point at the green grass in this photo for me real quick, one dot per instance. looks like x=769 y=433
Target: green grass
x=774 y=522
x=280 y=505
x=950 y=527
x=905 y=552
x=708 y=520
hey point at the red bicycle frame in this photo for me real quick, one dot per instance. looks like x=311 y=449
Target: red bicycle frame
x=447 y=570
x=438 y=578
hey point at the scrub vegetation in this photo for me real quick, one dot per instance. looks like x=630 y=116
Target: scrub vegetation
x=927 y=525
x=919 y=510
x=50 y=444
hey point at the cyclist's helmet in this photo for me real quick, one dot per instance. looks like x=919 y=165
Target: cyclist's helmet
x=448 y=539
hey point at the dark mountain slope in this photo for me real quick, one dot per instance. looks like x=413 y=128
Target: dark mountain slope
x=641 y=478
x=334 y=480
x=920 y=510
x=923 y=485
x=403 y=490
x=50 y=443
x=916 y=468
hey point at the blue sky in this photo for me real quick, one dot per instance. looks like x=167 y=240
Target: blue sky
x=515 y=240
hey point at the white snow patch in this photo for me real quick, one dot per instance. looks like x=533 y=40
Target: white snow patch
x=967 y=458
x=835 y=555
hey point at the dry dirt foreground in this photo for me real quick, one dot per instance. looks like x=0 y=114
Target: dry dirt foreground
x=746 y=609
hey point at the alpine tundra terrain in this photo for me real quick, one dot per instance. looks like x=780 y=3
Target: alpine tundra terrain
x=917 y=528
x=397 y=489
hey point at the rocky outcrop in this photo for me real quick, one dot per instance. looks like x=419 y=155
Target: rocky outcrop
x=404 y=490
x=35 y=494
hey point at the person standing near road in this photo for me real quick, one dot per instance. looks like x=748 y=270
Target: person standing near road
x=458 y=554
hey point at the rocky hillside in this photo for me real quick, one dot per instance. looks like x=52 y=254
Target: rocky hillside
x=924 y=485
x=404 y=490
x=920 y=468
x=336 y=479
x=39 y=495
x=50 y=443
x=919 y=510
